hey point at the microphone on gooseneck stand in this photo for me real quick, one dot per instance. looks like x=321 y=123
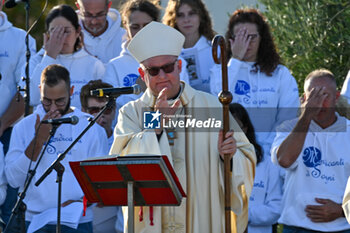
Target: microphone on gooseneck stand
x=115 y=92
x=68 y=120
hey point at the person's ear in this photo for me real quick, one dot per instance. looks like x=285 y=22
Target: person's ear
x=142 y=73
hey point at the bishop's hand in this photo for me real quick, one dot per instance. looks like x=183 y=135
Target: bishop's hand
x=163 y=106
x=227 y=146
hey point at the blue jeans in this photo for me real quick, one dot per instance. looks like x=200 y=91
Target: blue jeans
x=292 y=229
x=51 y=228
x=18 y=224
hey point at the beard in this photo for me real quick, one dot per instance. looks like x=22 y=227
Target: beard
x=95 y=30
x=66 y=109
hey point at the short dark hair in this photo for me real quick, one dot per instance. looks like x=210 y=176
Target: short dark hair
x=146 y=6
x=92 y=85
x=267 y=58
x=68 y=13
x=54 y=74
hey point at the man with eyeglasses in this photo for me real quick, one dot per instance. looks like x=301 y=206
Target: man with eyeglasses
x=101 y=26
x=195 y=153
x=106 y=219
x=27 y=141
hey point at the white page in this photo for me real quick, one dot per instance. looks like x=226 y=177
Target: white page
x=70 y=216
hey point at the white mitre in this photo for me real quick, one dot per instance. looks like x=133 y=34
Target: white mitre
x=156 y=39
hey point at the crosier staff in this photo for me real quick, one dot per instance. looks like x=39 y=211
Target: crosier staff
x=225 y=98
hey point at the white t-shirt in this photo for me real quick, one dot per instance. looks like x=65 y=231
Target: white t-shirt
x=44 y=197
x=12 y=60
x=3 y=182
x=269 y=100
x=82 y=68
x=199 y=60
x=320 y=171
x=265 y=202
x=107 y=45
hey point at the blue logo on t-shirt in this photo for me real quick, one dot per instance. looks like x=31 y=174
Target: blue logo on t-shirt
x=242 y=87
x=51 y=149
x=129 y=80
x=312 y=158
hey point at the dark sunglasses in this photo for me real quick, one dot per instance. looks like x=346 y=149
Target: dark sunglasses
x=167 y=68
x=95 y=110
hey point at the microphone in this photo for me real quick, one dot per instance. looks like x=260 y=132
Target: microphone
x=115 y=92
x=68 y=120
x=13 y=3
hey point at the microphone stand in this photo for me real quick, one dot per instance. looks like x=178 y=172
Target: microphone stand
x=20 y=206
x=59 y=168
x=26 y=78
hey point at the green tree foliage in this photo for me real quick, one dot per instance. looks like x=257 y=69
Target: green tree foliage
x=17 y=16
x=311 y=34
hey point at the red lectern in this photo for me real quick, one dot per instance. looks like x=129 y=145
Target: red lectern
x=141 y=180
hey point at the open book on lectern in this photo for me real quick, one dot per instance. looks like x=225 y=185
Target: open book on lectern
x=104 y=180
